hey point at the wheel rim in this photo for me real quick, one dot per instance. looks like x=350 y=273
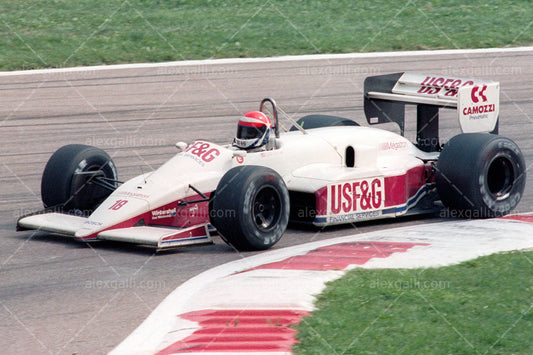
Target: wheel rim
x=500 y=177
x=266 y=208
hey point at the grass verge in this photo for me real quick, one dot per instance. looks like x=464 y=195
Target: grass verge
x=484 y=306
x=61 y=33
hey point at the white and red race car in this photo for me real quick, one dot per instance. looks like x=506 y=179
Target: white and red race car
x=326 y=170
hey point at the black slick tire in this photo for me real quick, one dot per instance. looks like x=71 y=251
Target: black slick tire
x=251 y=208
x=66 y=183
x=480 y=175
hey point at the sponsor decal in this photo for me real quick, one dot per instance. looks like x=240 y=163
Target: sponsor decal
x=240 y=142
x=478 y=107
x=393 y=145
x=167 y=213
x=477 y=94
x=92 y=223
x=476 y=112
x=239 y=160
x=345 y=218
x=132 y=194
x=433 y=85
x=353 y=197
x=193 y=211
x=202 y=152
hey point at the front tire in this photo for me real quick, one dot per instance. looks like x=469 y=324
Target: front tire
x=251 y=207
x=67 y=179
x=480 y=175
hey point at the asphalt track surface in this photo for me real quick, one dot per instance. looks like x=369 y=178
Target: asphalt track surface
x=60 y=296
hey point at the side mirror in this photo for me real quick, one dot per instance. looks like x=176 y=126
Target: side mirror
x=181 y=146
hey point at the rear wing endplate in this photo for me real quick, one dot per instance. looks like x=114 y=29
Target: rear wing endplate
x=477 y=103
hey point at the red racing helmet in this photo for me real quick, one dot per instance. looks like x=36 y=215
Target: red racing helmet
x=253 y=130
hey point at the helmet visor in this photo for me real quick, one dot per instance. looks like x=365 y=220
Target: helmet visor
x=246 y=132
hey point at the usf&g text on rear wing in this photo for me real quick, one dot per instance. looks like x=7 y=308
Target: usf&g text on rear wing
x=477 y=103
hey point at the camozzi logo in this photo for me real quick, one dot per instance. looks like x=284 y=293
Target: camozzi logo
x=479 y=109
x=158 y=214
x=479 y=96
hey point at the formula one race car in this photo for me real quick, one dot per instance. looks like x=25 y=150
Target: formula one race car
x=325 y=170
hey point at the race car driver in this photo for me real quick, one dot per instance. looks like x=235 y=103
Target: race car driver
x=253 y=132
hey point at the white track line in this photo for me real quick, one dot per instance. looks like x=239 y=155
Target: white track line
x=269 y=60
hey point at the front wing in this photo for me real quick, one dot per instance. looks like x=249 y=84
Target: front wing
x=159 y=237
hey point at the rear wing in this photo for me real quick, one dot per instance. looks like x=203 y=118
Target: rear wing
x=477 y=103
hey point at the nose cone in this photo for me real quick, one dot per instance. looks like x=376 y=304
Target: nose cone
x=114 y=212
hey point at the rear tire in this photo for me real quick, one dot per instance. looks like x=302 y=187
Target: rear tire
x=251 y=207
x=480 y=175
x=64 y=188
